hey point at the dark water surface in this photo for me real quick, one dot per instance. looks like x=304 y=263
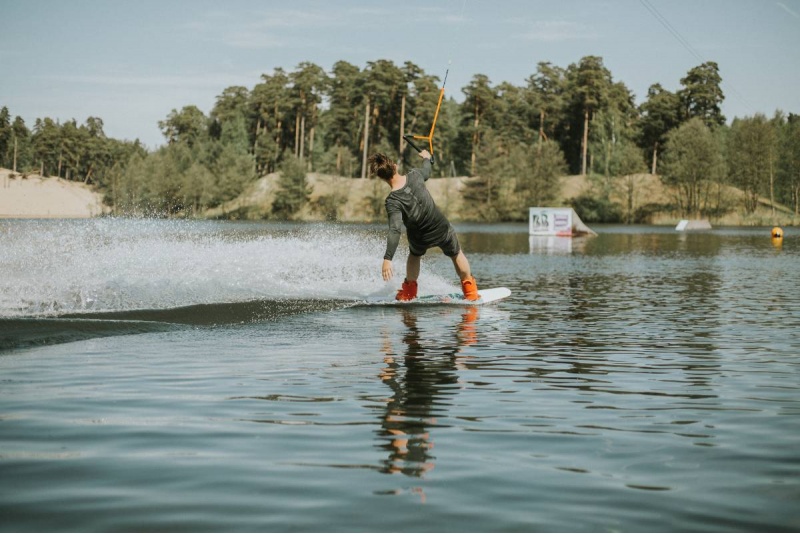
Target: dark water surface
x=181 y=376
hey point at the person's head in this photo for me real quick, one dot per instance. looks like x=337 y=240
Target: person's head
x=381 y=166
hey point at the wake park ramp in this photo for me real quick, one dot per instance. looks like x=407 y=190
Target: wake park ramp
x=693 y=224
x=561 y=222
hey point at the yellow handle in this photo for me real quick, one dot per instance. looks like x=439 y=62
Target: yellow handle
x=429 y=137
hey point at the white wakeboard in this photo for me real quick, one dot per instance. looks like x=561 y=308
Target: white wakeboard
x=486 y=296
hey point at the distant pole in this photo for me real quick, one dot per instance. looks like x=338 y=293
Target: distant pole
x=366 y=141
x=541 y=130
x=585 y=143
x=297 y=136
x=303 y=136
x=255 y=141
x=311 y=150
x=15 y=154
x=402 y=123
x=655 y=156
x=771 y=184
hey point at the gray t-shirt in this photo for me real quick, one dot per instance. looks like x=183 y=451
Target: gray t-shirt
x=413 y=206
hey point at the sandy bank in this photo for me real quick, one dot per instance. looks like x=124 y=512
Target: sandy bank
x=35 y=197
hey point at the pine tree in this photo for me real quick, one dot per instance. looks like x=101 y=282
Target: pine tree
x=702 y=95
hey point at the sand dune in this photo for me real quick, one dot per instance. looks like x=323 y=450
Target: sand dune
x=36 y=197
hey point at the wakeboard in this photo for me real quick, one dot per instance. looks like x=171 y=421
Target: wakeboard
x=486 y=296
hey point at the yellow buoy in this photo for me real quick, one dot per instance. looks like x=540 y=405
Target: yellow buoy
x=777 y=237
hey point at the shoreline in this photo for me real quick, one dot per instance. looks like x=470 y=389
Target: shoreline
x=36 y=197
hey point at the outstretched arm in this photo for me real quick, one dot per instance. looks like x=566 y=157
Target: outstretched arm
x=426 y=165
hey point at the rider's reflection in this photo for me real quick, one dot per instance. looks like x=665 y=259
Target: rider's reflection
x=421 y=380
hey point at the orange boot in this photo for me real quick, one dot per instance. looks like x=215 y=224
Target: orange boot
x=470 y=288
x=408 y=291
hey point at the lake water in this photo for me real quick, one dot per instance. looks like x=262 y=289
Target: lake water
x=205 y=376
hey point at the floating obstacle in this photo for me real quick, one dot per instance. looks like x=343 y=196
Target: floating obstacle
x=777 y=236
x=693 y=224
x=561 y=222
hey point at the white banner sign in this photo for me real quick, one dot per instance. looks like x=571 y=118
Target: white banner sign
x=550 y=221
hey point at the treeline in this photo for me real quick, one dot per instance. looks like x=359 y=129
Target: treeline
x=71 y=151
x=516 y=141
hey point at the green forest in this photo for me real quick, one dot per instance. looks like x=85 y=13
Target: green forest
x=515 y=142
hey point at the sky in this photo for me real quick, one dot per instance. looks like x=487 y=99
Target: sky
x=132 y=62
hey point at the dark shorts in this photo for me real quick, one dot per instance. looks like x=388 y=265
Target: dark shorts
x=449 y=245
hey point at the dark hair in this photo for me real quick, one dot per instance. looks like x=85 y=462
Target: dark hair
x=381 y=166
